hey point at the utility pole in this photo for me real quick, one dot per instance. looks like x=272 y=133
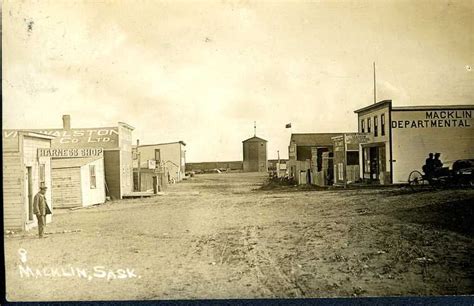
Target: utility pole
x=139 y=180
x=278 y=165
x=344 y=167
x=375 y=87
x=254 y=128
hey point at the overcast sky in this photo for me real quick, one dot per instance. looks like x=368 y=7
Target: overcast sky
x=203 y=72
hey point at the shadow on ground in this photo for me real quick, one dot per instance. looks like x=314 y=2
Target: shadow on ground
x=456 y=216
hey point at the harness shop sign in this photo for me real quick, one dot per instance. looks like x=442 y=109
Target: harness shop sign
x=68 y=153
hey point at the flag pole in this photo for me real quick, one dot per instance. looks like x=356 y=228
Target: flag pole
x=375 y=87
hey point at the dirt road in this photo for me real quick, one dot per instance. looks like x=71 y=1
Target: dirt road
x=216 y=237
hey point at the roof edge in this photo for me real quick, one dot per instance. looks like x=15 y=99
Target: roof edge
x=375 y=105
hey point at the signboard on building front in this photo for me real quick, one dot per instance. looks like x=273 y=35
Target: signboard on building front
x=358 y=138
x=77 y=138
x=151 y=164
x=70 y=153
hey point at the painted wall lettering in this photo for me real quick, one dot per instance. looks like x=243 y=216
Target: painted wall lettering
x=68 y=153
x=437 y=119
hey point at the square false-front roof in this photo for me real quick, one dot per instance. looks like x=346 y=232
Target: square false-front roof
x=374 y=106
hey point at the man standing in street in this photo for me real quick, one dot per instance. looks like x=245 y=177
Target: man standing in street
x=41 y=209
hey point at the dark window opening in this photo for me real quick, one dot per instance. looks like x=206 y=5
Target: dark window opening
x=382 y=124
x=352 y=158
x=320 y=158
x=376 y=126
x=158 y=155
x=303 y=153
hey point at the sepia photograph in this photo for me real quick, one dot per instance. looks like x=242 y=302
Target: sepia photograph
x=226 y=150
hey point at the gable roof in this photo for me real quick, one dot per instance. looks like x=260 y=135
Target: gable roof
x=313 y=139
x=254 y=138
x=57 y=163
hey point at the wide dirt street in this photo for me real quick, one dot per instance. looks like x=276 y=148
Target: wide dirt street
x=215 y=236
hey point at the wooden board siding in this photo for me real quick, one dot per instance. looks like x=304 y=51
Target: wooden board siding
x=13 y=209
x=67 y=187
x=9 y=143
x=30 y=159
x=112 y=173
x=126 y=173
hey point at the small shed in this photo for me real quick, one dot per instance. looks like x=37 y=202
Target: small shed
x=78 y=182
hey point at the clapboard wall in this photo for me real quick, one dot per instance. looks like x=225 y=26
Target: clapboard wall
x=13 y=201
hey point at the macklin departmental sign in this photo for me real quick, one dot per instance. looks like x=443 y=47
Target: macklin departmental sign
x=68 y=153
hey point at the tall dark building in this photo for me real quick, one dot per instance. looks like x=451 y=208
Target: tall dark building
x=255 y=155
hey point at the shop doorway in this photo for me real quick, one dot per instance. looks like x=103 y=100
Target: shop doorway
x=374 y=163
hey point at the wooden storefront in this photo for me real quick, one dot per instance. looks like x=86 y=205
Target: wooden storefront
x=23 y=173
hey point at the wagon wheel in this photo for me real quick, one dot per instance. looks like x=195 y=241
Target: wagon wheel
x=416 y=180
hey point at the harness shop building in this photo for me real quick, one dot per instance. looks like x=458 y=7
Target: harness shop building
x=24 y=171
x=402 y=137
x=77 y=180
x=116 y=143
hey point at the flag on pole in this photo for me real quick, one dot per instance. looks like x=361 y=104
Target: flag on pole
x=288 y=125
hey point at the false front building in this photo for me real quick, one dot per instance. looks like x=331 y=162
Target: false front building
x=116 y=143
x=160 y=164
x=400 y=138
x=24 y=171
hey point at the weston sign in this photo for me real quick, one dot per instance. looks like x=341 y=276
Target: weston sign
x=69 y=153
x=76 y=138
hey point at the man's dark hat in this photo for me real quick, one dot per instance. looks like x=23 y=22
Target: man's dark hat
x=43 y=186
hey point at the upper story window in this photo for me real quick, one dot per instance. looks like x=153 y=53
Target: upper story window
x=376 y=126
x=369 y=125
x=158 y=155
x=382 y=124
x=362 y=126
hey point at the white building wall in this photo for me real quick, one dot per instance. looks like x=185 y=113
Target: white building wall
x=91 y=196
x=413 y=142
x=172 y=157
